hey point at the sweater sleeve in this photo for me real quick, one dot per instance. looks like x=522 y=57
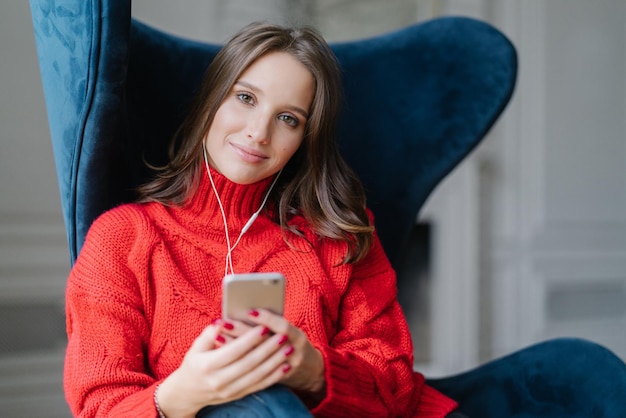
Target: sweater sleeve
x=369 y=363
x=105 y=373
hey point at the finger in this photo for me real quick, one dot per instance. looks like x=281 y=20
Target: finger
x=281 y=326
x=222 y=339
x=237 y=347
x=206 y=340
x=277 y=323
x=256 y=381
x=212 y=363
x=231 y=329
x=234 y=328
x=275 y=368
x=276 y=372
x=253 y=369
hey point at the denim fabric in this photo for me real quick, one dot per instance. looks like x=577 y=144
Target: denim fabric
x=274 y=402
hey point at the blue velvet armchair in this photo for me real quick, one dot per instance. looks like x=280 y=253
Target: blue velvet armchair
x=418 y=100
x=116 y=90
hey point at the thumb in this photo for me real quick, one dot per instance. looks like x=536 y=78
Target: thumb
x=206 y=340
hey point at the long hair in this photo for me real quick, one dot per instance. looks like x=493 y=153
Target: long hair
x=316 y=183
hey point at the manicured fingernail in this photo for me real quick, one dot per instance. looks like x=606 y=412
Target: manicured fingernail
x=253 y=312
x=282 y=340
x=220 y=339
x=286 y=368
x=288 y=351
x=228 y=325
x=265 y=331
x=217 y=321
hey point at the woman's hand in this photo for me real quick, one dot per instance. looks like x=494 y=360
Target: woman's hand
x=305 y=364
x=215 y=373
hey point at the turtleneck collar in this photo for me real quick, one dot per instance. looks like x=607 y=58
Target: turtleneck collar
x=240 y=201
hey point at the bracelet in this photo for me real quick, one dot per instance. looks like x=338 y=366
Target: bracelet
x=156 y=403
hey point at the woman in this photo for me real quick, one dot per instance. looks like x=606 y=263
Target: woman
x=255 y=184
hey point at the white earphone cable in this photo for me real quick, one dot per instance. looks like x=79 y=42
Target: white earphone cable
x=229 y=259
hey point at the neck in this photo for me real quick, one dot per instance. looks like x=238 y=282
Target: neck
x=240 y=201
x=229 y=243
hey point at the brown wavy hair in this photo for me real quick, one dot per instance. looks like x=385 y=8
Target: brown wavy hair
x=316 y=183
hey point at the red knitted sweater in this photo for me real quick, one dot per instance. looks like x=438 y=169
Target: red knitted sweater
x=148 y=281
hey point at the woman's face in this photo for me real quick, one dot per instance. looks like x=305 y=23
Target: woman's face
x=260 y=124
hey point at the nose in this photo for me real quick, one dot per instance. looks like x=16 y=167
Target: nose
x=259 y=128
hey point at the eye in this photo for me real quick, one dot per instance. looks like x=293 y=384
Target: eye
x=289 y=120
x=245 y=98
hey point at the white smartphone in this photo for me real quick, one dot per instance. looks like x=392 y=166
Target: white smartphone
x=246 y=291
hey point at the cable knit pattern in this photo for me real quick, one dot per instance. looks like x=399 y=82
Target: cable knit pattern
x=148 y=281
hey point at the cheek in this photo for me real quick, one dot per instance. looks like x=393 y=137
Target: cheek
x=290 y=148
x=225 y=120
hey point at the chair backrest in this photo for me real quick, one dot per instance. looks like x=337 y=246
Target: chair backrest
x=418 y=100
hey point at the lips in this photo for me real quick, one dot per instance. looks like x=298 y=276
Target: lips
x=248 y=154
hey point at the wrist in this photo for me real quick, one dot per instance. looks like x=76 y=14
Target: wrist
x=318 y=384
x=167 y=402
x=156 y=402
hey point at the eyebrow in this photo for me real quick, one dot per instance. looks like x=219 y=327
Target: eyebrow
x=252 y=87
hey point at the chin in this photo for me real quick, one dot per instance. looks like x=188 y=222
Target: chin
x=243 y=179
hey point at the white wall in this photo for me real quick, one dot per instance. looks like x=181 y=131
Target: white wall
x=33 y=251
x=555 y=255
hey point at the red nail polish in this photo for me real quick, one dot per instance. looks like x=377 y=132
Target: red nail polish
x=288 y=351
x=253 y=312
x=228 y=325
x=286 y=368
x=265 y=331
x=282 y=340
x=220 y=339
